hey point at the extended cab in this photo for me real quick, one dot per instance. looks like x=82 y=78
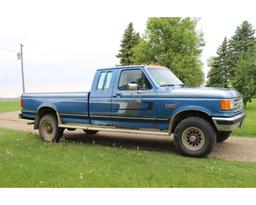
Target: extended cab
x=140 y=99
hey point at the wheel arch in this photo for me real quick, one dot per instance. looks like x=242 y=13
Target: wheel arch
x=185 y=113
x=45 y=109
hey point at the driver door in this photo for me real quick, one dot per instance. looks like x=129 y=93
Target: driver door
x=136 y=107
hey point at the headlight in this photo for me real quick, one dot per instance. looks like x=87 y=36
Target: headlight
x=227 y=104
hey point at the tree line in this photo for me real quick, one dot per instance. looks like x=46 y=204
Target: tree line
x=235 y=63
x=176 y=44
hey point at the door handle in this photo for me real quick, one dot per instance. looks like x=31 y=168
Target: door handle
x=117 y=95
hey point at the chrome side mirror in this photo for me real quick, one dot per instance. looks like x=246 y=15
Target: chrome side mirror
x=132 y=86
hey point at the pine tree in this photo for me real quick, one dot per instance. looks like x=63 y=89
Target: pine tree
x=241 y=42
x=129 y=41
x=245 y=75
x=219 y=74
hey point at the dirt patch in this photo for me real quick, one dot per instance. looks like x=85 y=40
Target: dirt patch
x=235 y=148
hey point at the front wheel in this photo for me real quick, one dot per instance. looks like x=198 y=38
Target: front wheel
x=195 y=137
x=48 y=128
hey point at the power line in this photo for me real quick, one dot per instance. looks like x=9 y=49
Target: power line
x=9 y=50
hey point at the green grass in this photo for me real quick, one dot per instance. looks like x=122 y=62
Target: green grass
x=8 y=106
x=249 y=125
x=26 y=161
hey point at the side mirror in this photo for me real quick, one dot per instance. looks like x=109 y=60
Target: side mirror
x=132 y=86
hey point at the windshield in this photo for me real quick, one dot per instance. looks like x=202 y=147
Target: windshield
x=164 y=77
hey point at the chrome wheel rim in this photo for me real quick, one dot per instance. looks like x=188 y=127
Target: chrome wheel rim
x=48 y=130
x=193 y=138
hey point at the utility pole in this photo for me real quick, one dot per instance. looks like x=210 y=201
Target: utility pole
x=22 y=70
x=19 y=57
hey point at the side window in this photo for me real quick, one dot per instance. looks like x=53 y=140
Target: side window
x=133 y=76
x=108 y=80
x=101 y=81
x=104 y=81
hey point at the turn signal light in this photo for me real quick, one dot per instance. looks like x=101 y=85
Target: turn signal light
x=225 y=104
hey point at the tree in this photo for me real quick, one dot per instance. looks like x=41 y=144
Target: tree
x=219 y=74
x=174 y=43
x=235 y=63
x=129 y=41
x=243 y=59
x=241 y=42
x=245 y=75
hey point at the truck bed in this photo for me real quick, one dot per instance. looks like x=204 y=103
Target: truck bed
x=73 y=107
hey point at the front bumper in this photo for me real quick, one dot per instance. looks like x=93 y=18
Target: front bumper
x=230 y=123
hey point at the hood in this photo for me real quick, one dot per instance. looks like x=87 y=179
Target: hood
x=204 y=92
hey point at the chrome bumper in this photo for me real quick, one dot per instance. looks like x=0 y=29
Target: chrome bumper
x=230 y=123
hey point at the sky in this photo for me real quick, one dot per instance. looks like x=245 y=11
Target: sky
x=66 y=41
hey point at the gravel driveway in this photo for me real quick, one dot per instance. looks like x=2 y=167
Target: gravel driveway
x=235 y=148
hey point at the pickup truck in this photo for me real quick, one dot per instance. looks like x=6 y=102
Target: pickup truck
x=140 y=99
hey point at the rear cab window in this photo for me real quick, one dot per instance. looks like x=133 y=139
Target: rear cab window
x=104 y=81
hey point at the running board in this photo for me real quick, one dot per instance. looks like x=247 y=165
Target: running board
x=100 y=128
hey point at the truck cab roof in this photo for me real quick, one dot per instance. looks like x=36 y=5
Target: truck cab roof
x=130 y=66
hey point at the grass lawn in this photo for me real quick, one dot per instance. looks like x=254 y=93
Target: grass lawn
x=249 y=125
x=26 y=161
x=8 y=106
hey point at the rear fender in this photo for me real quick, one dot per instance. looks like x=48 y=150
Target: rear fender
x=39 y=115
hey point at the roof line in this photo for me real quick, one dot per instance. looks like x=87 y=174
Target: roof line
x=129 y=66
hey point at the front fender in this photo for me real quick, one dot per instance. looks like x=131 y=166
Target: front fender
x=194 y=108
x=186 y=109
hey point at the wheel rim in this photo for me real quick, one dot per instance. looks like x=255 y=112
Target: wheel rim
x=48 y=130
x=193 y=138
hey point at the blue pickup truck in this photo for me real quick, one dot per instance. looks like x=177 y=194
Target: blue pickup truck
x=140 y=99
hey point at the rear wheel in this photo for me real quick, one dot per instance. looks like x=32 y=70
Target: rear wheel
x=222 y=136
x=48 y=128
x=91 y=132
x=195 y=137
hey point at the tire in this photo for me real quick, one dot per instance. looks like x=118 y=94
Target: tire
x=194 y=137
x=222 y=136
x=48 y=128
x=91 y=132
